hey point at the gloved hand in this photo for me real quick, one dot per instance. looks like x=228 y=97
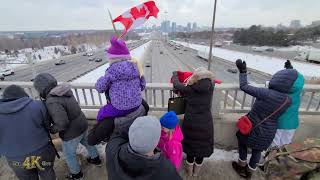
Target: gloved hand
x=288 y=65
x=242 y=66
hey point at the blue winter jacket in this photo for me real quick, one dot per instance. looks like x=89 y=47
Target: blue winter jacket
x=22 y=127
x=290 y=118
x=268 y=100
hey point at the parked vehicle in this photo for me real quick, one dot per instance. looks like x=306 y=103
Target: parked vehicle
x=310 y=56
x=1 y=77
x=91 y=59
x=269 y=49
x=85 y=54
x=258 y=49
x=232 y=70
x=218 y=44
x=60 y=62
x=7 y=72
x=98 y=60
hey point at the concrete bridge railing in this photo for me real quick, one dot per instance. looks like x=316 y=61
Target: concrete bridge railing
x=228 y=98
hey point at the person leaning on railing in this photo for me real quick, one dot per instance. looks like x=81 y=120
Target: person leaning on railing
x=23 y=135
x=270 y=103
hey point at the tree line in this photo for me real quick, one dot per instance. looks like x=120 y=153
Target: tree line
x=257 y=35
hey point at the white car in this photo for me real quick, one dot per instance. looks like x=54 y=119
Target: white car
x=7 y=72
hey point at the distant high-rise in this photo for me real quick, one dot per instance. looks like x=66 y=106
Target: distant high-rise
x=174 y=27
x=180 y=28
x=295 y=24
x=165 y=26
x=189 y=27
x=315 y=23
x=194 y=27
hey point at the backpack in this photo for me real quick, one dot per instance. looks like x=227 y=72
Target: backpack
x=297 y=161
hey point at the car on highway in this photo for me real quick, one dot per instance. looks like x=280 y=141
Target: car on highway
x=90 y=54
x=98 y=60
x=232 y=70
x=148 y=64
x=1 y=77
x=161 y=52
x=269 y=49
x=60 y=62
x=85 y=54
x=91 y=59
x=6 y=72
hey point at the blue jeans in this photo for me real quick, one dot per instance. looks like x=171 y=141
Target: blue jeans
x=69 y=149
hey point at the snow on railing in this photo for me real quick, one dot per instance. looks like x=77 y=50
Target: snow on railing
x=228 y=98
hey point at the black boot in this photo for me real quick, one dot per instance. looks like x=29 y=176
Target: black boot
x=241 y=170
x=78 y=176
x=95 y=161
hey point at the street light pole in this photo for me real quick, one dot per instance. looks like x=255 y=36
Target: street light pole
x=212 y=35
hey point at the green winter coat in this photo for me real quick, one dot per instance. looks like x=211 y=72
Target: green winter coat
x=290 y=119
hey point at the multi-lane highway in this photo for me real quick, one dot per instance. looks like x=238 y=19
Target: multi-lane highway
x=76 y=65
x=164 y=60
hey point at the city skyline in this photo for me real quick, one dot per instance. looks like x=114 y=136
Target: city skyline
x=19 y=15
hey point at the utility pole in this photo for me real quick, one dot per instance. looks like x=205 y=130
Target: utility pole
x=212 y=35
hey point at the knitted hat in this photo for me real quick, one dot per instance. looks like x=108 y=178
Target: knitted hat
x=144 y=134
x=43 y=83
x=118 y=49
x=169 y=120
x=14 y=92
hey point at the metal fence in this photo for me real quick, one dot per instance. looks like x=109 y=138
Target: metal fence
x=228 y=98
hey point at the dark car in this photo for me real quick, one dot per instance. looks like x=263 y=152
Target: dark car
x=98 y=60
x=148 y=64
x=85 y=54
x=1 y=77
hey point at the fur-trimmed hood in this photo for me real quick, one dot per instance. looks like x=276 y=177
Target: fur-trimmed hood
x=199 y=74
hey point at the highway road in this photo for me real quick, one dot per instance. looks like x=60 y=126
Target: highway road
x=76 y=65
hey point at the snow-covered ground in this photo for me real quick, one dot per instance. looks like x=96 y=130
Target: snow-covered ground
x=265 y=64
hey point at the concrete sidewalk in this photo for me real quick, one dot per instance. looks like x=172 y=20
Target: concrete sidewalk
x=217 y=170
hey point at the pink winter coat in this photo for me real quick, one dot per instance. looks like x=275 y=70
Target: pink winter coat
x=172 y=148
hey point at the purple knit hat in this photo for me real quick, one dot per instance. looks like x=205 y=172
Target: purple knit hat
x=118 y=49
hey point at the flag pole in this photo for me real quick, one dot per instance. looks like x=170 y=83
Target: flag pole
x=111 y=19
x=212 y=35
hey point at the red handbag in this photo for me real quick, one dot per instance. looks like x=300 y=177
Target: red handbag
x=244 y=124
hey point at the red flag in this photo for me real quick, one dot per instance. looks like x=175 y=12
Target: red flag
x=138 y=15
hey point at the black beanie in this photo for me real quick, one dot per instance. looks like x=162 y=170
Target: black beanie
x=14 y=92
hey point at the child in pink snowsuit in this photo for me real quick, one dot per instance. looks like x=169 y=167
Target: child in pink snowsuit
x=171 y=138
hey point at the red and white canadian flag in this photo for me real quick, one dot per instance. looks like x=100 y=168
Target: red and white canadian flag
x=138 y=15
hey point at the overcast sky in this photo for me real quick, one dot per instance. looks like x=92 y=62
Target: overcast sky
x=92 y=14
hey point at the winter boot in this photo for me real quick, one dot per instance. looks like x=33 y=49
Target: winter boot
x=196 y=169
x=95 y=161
x=240 y=167
x=78 y=176
x=249 y=171
x=189 y=168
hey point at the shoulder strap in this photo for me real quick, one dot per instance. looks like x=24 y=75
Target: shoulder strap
x=275 y=112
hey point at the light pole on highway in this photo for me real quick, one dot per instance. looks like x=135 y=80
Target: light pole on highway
x=212 y=35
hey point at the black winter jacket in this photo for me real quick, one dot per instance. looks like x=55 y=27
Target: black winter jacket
x=197 y=126
x=268 y=100
x=124 y=164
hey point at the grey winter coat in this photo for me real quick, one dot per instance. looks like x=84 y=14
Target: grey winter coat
x=66 y=114
x=268 y=100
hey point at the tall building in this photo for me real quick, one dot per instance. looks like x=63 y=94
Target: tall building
x=315 y=23
x=180 y=28
x=165 y=26
x=194 y=27
x=174 y=27
x=295 y=24
x=189 y=27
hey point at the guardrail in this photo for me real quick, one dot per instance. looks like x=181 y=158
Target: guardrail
x=228 y=98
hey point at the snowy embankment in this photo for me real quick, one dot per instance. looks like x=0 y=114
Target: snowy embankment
x=93 y=76
x=269 y=65
x=44 y=54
